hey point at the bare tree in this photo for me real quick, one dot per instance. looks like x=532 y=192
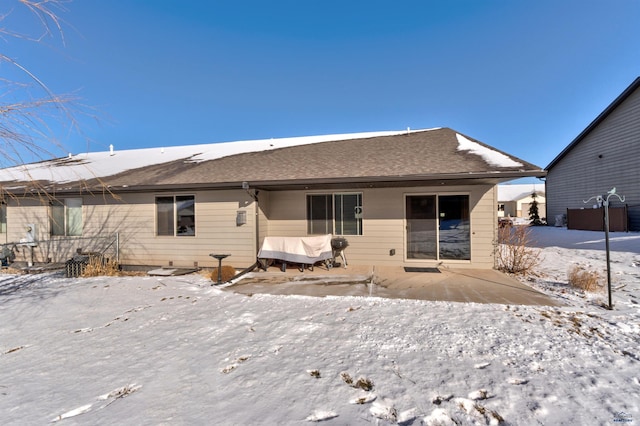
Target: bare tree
x=28 y=108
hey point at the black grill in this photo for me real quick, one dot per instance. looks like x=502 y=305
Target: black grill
x=339 y=243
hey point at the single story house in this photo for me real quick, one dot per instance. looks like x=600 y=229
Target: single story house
x=515 y=200
x=413 y=197
x=605 y=155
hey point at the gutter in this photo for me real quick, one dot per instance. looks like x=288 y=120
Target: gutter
x=409 y=180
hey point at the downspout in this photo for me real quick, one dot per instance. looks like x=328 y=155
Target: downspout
x=496 y=243
x=6 y=221
x=117 y=248
x=254 y=196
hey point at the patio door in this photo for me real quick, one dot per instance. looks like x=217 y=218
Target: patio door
x=454 y=230
x=438 y=227
x=422 y=227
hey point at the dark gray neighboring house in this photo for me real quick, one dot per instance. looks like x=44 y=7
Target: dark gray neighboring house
x=606 y=154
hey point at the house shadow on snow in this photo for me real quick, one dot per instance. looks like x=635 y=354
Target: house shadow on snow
x=32 y=286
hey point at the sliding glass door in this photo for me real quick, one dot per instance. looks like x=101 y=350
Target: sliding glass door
x=454 y=237
x=421 y=227
x=438 y=227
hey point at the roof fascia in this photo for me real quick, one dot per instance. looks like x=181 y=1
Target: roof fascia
x=470 y=178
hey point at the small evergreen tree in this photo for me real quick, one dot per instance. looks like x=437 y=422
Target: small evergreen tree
x=534 y=216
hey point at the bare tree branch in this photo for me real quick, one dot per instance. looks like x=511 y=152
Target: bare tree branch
x=45 y=12
x=26 y=120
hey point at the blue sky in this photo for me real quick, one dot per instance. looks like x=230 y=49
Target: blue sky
x=523 y=76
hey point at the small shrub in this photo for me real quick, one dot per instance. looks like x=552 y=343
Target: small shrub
x=227 y=273
x=98 y=266
x=513 y=252
x=584 y=280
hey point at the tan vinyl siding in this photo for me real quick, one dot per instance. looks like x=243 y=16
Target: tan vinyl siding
x=384 y=223
x=133 y=218
x=216 y=232
x=282 y=213
x=263 y=229
x=23 y=213
x=483 y=226
x=607 y=157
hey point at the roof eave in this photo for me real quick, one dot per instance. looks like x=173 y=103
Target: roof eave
x=488 y=177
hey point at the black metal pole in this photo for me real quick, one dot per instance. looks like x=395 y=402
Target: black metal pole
x=605 y=203
x=606 y=238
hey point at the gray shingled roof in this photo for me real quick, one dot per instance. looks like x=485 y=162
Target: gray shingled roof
x=419 y=157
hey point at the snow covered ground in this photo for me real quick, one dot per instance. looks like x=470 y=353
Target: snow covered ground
x=177 y=351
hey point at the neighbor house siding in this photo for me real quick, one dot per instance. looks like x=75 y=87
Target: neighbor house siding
x=607 y=157
x=510 y=209
x=384 y=223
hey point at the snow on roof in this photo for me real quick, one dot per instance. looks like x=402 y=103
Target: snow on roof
x=518 y=191
x=102 y=164
x=489 y=155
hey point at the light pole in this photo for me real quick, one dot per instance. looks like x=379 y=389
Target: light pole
x=604 y=200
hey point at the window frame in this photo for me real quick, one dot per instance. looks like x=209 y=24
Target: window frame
x=176 y=222
x=462 y=207
x=335 y=221
x=439 y=237
x=3 y=217
x=65 y=218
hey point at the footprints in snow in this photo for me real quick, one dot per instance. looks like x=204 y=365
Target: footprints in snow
x=120 y=318
x=12 y=350
x=229 y=368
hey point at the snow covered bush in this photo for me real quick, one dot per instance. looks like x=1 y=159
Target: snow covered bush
x=514 y=253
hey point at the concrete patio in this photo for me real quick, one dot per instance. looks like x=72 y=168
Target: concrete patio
x=453 y=285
